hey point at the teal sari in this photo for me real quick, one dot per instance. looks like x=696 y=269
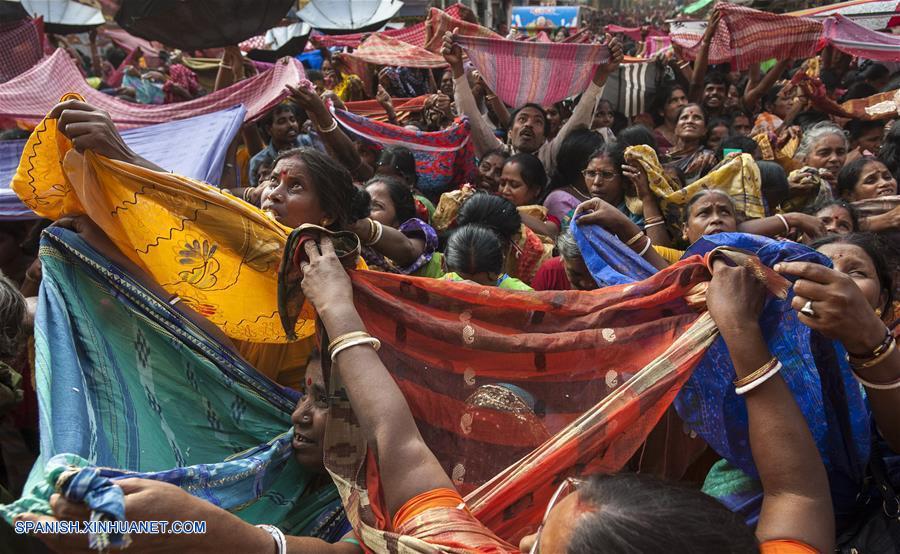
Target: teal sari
x=124 y=381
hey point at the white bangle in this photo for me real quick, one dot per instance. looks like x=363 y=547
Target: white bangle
x=787 y=228
x=875 y=386
x=280 y=541
x=646 y=247
x=371 y=341
x=753 y=384
x=331 y=127
x=174 y=300
x=654 y=224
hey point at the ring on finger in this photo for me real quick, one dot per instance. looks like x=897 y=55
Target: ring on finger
x=808 y=310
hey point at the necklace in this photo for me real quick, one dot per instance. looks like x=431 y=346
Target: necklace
x=577 y=192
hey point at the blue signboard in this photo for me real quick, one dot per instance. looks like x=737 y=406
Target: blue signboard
x=536 y=18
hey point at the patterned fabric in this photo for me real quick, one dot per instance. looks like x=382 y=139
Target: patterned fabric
x=21 y=47
x=444 y=159
x=883 y=105
x=746 y=36
x=446 y=342
x=517 y=71
x=529 y=251
x=193 y=239
x=156 y=398
x=183 y=77
x=34 y=93
x=438 y=23
x=379 y=49
x=738 y=177
x=608 y=259
x=854 y=39
x=412 y=228
x=655 y=45
x=403 y=107
x=632 y=87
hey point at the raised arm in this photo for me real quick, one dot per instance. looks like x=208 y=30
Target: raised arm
x=399 y=248
x=407 y=467
x=754 y=93
x=338 y=143
x=701 y=63
x=783 y=225
x=796 y=498
x=482 y=135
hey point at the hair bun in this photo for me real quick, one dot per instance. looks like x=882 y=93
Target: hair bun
x=360 y=205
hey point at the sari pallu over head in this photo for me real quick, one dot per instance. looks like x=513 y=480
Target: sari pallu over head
x=124 y=381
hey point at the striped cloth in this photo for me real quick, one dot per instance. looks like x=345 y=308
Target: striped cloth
x=380 y=49
x=857 y=40
x=746 y=36
x=439 y=22
x=30 y=96
x=519 y=72
x=21 y=47
x=632 y=86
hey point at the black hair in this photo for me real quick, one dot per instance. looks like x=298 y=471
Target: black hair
x=115 y=56
x=497 y=152
x=774 y=183
x=266 y=122
x=849 y=175
x=635 y=135
x=337 y=195
x=314 y=75
x=474 y=248
x=401 y=159
x=615 y=151
x=682 y=520
x=859 y=89
x=701 y=194
x=875 y=248
x=660 y=99
x=538 y=107
x=771 y=96
x=495 y=212
x=716 y=78
x=808 y=118
x=858 y=127
x=840 y=203
x=573 y=156
x=874 y=72
x=533 y=172
x=401 y=196
x=696 y=105
x=620 y=121
x=737 y=142
x=890 y=150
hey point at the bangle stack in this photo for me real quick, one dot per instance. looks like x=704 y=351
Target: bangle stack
x=376 y=229
x=653 y=222
x=246 y=195
x=635 y=238
x=349 y=340
x=873 y=358
x=746 y=384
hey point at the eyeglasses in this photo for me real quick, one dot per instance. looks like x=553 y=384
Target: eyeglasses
x=592 y=175
x=565 y=488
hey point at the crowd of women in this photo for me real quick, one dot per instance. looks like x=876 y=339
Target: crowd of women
x=741 y=167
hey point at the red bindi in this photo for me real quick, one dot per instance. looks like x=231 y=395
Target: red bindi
x=309 y=381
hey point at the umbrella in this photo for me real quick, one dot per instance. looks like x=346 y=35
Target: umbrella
x=282 y=41
x=199 y=25
x=64 y=17
x=347 y=16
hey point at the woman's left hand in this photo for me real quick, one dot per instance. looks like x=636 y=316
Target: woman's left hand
x=735 y=298
x=638 y=178
x=840 y=310
x=325 y=281
x=701 y=161
x=597 y=211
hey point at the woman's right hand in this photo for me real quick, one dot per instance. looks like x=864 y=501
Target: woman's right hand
x=90 y=128
x=325 y=281
x=597 y=211
x=307 y=99
x=802 y=181
x=734 y=297
x=452 y=53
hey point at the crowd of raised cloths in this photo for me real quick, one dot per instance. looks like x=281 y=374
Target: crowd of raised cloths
x=358 y=278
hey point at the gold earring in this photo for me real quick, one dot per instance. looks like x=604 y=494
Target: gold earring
x=326 y=222
x=878 y=312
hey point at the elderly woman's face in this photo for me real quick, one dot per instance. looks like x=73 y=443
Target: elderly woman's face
x=830 y=152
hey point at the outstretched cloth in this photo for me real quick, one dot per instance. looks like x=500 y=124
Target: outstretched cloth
x=746 y=36
x=216 y=252
x=872 y=14
x=31 y=95
x=444 y=159
x=21 y=47
x=854 y=39
x=380 y=49
x=438 y=23
x=404 y=107
x=815 y=368
x=515 y=391
x=124 y=381
x=518 y=71
x=414 y=34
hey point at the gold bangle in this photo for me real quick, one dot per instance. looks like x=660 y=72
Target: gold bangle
x=635 y=238
x=347 y=336
x=756 y=374
x=877 y=359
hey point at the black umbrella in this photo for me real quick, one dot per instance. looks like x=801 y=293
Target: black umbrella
x=11 y=10
x=282 y=41
x=194 y=25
